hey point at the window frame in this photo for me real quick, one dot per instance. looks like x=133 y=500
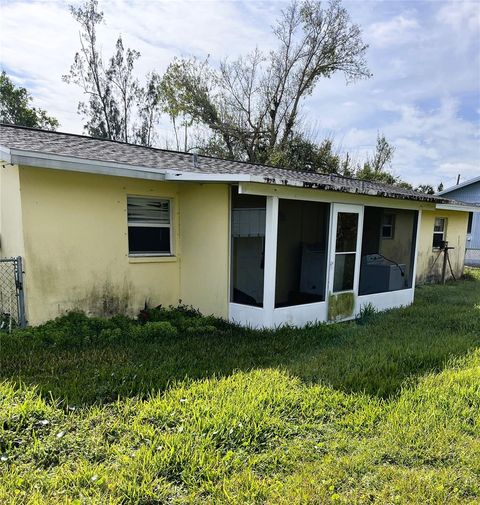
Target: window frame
x=169 y=254
x=470 y=223
x=443 y=232
x=389 y=226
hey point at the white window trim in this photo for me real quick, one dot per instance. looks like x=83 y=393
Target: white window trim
x=153 y=225
x=443 y=232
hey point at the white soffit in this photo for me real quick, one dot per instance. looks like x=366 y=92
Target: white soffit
x=458 y=208
x=73 y=164
x=180 y=176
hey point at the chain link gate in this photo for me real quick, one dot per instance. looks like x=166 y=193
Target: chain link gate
x=12 y=299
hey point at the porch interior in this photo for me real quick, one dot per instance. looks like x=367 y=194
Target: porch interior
x=309 y=264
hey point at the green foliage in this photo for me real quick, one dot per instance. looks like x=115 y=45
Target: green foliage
x=377 y=167
x=367 y=314
x=16 y=109
x=154 y=330
x=426 y=189
x=251 y=107
x=299 y=153
x=185 y=318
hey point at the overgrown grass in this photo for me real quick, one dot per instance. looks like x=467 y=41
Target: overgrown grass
x=192 y=410
x=84 y=361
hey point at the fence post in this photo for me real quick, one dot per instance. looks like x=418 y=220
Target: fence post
x=22 y=321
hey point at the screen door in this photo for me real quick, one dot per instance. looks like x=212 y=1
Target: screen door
x=346 y=230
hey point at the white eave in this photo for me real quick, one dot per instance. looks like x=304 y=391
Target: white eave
x=112 y=168
x=74 y=164
x=458 y=207
x=183 y=176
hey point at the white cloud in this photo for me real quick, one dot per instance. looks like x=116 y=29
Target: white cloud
x=430 y=146
x=39 y=38
x=461 y=15
x=396 y=31
x=424 y=56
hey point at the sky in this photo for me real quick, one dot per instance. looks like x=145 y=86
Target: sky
x=424 y=56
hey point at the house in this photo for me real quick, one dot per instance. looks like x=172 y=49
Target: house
x=108 y=227
x=469 y=192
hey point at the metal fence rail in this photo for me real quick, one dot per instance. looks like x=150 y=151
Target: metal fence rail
x=12 y=300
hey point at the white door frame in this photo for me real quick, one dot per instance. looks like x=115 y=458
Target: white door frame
x=337 y=208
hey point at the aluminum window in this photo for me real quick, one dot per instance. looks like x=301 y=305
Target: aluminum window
x=470 y=222
x=439 y=231
x=149 y=226
x=388 y=226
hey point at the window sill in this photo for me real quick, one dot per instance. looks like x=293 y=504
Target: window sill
x=152 y=259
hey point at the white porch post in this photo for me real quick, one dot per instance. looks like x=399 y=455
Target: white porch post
x=270 y=262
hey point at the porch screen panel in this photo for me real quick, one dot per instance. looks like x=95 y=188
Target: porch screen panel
x=301 y=252
x=388 y=250
x=248 y=248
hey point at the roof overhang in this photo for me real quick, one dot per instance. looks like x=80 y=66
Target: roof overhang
x=112 y=168
x=458 y=207
x=179 y=176
x=74 y=164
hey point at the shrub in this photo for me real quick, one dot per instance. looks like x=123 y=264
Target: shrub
x=205 y=329
x=185 y=319
x=154 y=330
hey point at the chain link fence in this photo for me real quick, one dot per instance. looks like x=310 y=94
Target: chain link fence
x=12 y=302
x=472 y=257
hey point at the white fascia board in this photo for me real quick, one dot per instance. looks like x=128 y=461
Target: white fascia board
x=5 y=154
x=332 y=187
x=74 y=164
x=203 y=177
x=458 y=208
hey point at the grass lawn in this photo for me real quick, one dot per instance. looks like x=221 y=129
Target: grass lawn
x=193 y=410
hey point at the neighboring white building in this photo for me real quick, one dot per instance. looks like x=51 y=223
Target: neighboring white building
x=469 y=192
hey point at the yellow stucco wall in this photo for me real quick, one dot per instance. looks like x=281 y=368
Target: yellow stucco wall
x=76 y=246
x=11 y=231
x=75 y=241
x=427 y=271
x=205 y=237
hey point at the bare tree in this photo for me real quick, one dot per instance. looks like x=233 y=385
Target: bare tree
x=120 y=75
x=150 y=107
x=111 y=91
x=253 y=105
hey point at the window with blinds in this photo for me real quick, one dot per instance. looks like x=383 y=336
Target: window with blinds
x=149 y=226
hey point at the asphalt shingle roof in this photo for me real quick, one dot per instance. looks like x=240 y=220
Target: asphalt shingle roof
x=89 y=148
